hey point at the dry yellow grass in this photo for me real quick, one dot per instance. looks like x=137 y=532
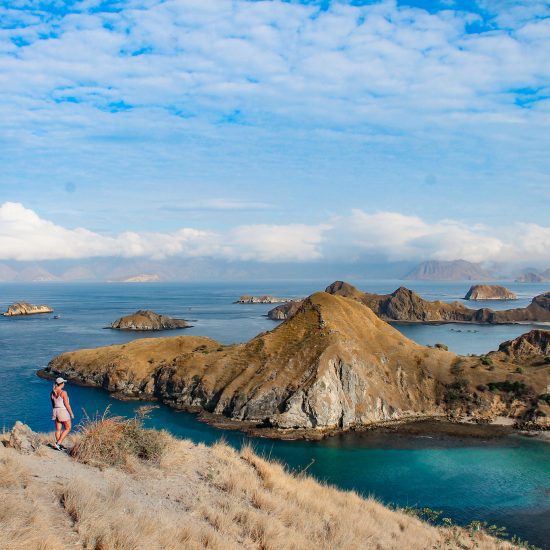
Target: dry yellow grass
x=198 y=497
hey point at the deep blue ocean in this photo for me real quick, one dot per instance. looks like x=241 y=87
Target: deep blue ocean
x=505 y=481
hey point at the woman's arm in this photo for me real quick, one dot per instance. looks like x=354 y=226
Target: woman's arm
x=67 y=405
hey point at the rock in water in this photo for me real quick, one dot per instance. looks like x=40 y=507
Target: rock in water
x=23 y=308
x=23 y=439
x=267 y=299
x=148 y=320
x=489 y=292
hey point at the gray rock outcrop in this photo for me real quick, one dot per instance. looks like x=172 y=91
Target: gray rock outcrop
x=23 y=439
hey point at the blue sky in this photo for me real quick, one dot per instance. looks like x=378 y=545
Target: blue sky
x=278 y=131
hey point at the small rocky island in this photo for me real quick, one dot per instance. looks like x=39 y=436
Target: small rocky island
x=489 y=292
x=148 y=320
x=24 y=308
x=268 y=299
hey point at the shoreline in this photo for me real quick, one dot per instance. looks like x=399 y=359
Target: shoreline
x=435 y=425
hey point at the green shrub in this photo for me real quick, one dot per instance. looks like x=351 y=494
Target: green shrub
x=486 y=360
x=457 y=369
x=520 y=370
x=545 y=397
x=518 y=389
x=457 y=391
x=442 y=346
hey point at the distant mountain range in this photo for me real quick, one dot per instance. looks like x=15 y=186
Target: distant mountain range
x=207 y=269
x=456 y=270
x=534 y=276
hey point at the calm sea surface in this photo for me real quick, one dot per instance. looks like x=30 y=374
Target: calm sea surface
x=506 y=482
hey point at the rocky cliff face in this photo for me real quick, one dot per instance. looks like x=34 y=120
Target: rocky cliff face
x=284 y=311
x=23 y=308
x=457 y=270
x=489 y=292
x=332 y=366
x=148 y=320
x=530 y=345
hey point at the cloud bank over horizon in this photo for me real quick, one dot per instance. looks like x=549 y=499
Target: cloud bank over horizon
x=25 y=236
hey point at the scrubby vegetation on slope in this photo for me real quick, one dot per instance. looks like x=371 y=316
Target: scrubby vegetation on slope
x=178 y=495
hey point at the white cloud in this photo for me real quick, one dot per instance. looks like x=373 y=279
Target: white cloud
x=25 y=236
x=271 y=243
x=397 y=236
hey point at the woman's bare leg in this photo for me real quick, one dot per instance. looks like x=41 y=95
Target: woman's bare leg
x=57 y=431
x=67 y=426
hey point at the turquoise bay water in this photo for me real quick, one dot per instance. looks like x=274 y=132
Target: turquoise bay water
x=506 y=482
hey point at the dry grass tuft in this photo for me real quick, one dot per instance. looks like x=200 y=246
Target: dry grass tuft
x=23 y=525
x=108 y=520
x=117 y=441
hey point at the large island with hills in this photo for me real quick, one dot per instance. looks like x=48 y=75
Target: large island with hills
x=404 y=305
x=334 y=365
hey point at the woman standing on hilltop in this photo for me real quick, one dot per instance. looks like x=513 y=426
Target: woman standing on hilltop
x=62 y=412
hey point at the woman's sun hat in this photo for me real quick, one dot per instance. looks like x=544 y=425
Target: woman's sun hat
x=60 y=380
